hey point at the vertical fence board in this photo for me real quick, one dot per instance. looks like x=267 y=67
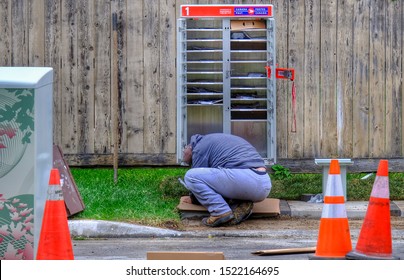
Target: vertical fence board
x=328 y=51
x=360 y=79
x=120 y=10
x=394 y=96
x=152 y=58
x=85 y=77
x=402 y=80
x=311 y=80
x=52 y=58
x=36 y=44
x=5 y=38
x=296 y=60
x=118 y=79
x=167 y=77
x=69 y=77
x=134 y=112
x=19 y=33
x=283 y=96
x=377 y=78
x=102 y=71
x=344 y=78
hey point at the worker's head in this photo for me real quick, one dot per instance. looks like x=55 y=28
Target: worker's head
x=187 y=154
x=187 y=151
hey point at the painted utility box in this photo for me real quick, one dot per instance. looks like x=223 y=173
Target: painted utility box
x=26 y=148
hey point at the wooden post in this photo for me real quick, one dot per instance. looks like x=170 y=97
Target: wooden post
x=115 y=95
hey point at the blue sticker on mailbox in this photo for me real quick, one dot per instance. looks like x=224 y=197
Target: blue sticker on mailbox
x=250 y=11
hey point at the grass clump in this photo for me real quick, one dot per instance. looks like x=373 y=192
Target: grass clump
x=292 y=187
x=137 y=196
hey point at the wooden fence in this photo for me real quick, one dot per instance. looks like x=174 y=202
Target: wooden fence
x=348 y=58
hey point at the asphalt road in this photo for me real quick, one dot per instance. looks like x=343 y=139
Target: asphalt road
x=233 y=248
x=136 y=249
x=119 y=241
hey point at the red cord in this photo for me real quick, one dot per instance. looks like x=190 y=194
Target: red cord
x=294 y=107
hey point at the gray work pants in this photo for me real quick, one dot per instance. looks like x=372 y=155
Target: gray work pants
x=212 y=185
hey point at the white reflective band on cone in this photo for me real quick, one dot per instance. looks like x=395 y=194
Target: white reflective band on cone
x=381 y=187
x=334 y=211
x=332 y=181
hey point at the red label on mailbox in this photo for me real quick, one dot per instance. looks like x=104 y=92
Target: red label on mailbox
x=196 y=11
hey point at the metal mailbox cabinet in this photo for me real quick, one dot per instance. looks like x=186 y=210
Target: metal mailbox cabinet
x=223 y=82
x=25 y=157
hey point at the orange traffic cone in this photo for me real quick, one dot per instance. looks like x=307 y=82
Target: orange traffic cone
x=334 y=239
x=54 y=241
x=375 y=236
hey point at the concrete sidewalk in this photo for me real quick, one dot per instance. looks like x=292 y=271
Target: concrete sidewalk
x=355 y=209
x=109 y=229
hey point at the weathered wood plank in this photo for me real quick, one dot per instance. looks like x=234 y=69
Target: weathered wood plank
x=296 y=166
x=311 y=89
x=19 y=34
x=5 y=38
x=283 y=89
x=119 y=7
x=85 y=77
x=69 y=77
x=296 y=61
x=36 y=27
x=402 y=79
x=344 y=78
x=53 y=25
x=167 y=77
x=133 y=115
x=152 y=97
x=394 y=84
x=377 y=78
x=102 y=68
x=130 y=159
x=361 y=74
x=328 y=52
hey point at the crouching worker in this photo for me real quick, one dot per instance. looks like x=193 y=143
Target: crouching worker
x=226 y=177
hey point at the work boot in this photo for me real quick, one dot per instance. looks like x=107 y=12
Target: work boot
x=242 y=210
x=215 y=221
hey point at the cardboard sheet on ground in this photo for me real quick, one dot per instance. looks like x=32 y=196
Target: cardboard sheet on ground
x=185 y=255
x=266 y=208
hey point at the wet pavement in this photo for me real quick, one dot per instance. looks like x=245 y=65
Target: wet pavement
x=106 y=240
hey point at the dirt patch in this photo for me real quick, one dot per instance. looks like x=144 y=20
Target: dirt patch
x=282 y=223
